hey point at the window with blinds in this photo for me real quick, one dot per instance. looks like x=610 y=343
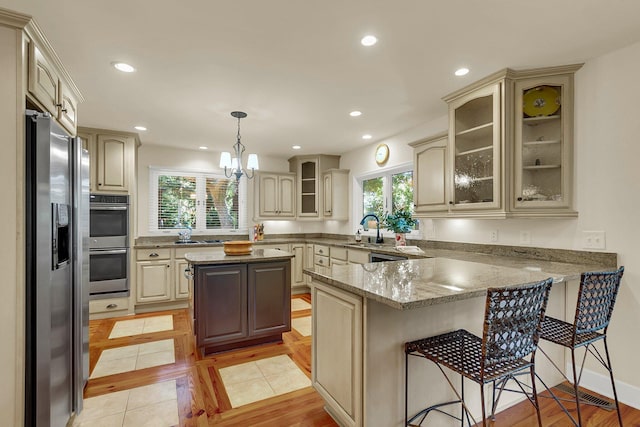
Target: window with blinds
x=203 y=202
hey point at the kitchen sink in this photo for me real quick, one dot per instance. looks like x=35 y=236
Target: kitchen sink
x=370 y=245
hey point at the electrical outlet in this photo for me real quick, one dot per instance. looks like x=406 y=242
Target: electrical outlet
x=493 y=236
x=525 y=237
x=593 y=240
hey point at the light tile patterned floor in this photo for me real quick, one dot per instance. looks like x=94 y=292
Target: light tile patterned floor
x=133 y=357
x=298 y=304
x=154 y=405
x=125 y=328
x=253 y=381
x=302 y=325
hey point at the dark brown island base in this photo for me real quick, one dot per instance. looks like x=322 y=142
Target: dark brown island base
x=240 y=300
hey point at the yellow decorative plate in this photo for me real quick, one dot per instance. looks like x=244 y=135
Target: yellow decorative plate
x=540 y=101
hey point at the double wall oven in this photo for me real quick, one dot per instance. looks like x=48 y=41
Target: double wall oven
x=109 y=246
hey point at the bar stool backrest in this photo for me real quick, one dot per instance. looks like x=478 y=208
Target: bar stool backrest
x=512 y=322
x=596 y=297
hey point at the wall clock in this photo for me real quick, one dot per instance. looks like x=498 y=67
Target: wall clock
x=382 y=154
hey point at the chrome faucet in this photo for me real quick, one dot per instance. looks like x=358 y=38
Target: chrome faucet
x=379 y=238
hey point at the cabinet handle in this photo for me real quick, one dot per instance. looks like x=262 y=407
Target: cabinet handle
x=112 y=306
x=153 y=255
x=519 y=199
x=99 y=183
x=64 y=110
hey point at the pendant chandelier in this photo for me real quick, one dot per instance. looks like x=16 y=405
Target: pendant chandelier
x=233 y=165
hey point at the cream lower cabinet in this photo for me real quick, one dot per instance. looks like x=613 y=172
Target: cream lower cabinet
x=308 y=259
x=298 y=282
x=357 y=256
x=337 y=360
x=182 y=285
x=153 y=281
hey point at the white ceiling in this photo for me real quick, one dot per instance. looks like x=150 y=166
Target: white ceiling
x=297 y=67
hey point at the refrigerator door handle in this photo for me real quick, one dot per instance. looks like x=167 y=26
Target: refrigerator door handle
x=109 y=252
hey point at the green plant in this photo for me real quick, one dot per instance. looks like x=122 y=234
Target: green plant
x=400 y=221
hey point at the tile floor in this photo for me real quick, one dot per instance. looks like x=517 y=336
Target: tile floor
x=154 y=405
x=134 y=357
x=302 y=325
x=124 y=328
x=298 y=304
x=253 y=381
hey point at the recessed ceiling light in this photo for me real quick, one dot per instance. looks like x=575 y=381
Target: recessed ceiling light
x=203 y=148
x=296 y=147
x=461 y=72
x=355 y=113
x=366 y=136
x=140 y=128
x=369 y=40
x=125 y=68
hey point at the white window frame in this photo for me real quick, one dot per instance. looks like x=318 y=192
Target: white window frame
x=386 y=174
x=153 y=229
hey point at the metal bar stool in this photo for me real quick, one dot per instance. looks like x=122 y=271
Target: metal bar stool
x=510 y=334
x=596 y=298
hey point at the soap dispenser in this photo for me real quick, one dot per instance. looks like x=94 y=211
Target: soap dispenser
x=358 y=236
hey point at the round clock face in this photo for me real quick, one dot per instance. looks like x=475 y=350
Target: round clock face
x=382 y=154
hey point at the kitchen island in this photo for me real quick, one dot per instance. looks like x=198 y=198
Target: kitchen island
x=363 y=315
x=240 y=300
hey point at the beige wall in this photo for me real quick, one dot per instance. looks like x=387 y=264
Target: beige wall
x=11 y=227
x=607 y=177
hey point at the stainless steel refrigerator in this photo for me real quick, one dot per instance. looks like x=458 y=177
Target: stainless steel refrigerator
x=57 y=279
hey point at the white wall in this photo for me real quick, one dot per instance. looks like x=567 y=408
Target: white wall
x=607 y=184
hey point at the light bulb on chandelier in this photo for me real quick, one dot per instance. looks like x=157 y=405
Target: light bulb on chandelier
x=233 y=165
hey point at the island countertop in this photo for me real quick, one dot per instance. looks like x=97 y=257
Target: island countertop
x=219 y=257
x=422 y=282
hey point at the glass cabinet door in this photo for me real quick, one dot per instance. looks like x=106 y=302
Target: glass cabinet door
x=542 y=113
x=475 y=126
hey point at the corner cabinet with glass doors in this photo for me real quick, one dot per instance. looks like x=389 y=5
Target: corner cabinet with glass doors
x=477 y=128
x=509 y=149
x=543 y=143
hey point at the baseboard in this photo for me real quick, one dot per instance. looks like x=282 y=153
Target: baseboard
x=594 y=381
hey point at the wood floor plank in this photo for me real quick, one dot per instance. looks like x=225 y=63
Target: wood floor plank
x=203 y=401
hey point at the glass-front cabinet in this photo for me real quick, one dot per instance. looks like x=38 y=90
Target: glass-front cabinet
x=475 y=126
x=543 y=145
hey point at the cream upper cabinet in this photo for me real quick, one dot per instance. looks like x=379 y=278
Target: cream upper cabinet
x=68 y=108
x=476 y=141
x=112 y=156
x=543 y=155
x=48 y=87
x=308 y=170
x=335 y=194
x=430 y=174
x=510 y=146
x=43 y=80
x=275 y=195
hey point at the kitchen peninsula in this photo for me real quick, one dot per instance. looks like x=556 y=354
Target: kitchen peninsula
x=239 y=300
x=363 y=315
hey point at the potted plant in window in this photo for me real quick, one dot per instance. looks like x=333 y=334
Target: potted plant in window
x=401 y=223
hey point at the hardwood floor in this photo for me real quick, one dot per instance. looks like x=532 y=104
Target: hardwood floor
x=202 y=399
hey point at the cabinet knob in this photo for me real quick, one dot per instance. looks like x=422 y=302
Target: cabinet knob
x=153 y=255
x=450 y=202
x=519 y=199
x=168 y=265
x=112 y=306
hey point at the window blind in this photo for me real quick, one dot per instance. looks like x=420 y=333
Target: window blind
x=204 y=202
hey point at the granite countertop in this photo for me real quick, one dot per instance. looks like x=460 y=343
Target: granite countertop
x=219 y=257
x=422 y=282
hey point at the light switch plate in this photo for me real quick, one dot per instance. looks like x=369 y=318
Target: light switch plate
x=594 y=240
x=493 y=236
